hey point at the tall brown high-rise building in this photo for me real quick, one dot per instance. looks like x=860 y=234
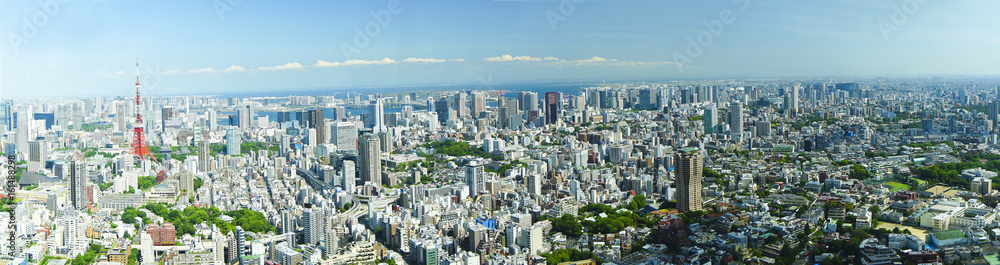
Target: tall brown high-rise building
x=316 y=121
x=460 y=108
x=551 y=107
x=370 y=159
x=688 y=179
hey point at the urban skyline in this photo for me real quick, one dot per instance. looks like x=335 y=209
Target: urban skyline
x=506 y=132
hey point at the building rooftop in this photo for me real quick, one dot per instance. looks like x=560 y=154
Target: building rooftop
x=946 y=235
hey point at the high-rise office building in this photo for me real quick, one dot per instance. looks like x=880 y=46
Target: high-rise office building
x=534 y=184
x=246 y=116
x=994 y=112
x=213 y=119
x=369 y=158
x=762 y=128
x=735 y=118
x=166 y=114
x=528 y=101
x=345 y=135
x=688 y=179
x=37 y=154
x=316 y=121
x=233 y=142
x=331 y=243
x=385 y=142
x=459 y=105
x=478 y=103
x=795 y=97
x=7 y=116
x=78 y=184
x=313 y=220
x=376 y=115
x=551 y=107
x=475 y=178
x=121 y=117
x=711 y=120
x=686 y=96
x=204 y=152
x=646 y=99
x=442 y=109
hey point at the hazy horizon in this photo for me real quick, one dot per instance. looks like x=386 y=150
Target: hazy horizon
x=78 y=48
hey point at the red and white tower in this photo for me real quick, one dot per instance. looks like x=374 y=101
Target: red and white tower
x=139 y=147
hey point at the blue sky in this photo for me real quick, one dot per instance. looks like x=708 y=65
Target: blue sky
x=88 y=47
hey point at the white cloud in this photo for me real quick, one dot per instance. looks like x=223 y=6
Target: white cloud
x=282 y=67
x=509 y=58
x=422 y=60
x=234 y=68
x=321 y=63
x=171 y=72
x=205 y=70
x=457 y=60
x=386 y=60
x=594 y=59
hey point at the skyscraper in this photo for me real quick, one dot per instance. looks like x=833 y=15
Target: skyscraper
x=369 y=158
x=994 y=112
x=688 y=179
x=376 y=115
x=534 y=184
x=551 y=107
x=233 y=142
x=646 y=100
x=37 y=154
x=528 y=101
x=459 y=105
x=7 y=116
x=166 y=113
x=246 y=116
x=385 y=142
x=78 y=184
x=348 y=170
x=711 y=120
x=686 y=96
x=121 y=118
x=213 y=119
x=313 y=220
x=475 y=178
x=478 y=103
x=442 y=109
x=795 y=98
x=316 y=121
x=203 y=153
x=345 y=135
x=735 y=120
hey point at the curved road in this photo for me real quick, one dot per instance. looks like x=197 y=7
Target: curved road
x=357 y=209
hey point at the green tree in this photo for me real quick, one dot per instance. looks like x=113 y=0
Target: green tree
x=146 y=182
x=568 y=225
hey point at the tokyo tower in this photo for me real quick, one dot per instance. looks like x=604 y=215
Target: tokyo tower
x=139 y=147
